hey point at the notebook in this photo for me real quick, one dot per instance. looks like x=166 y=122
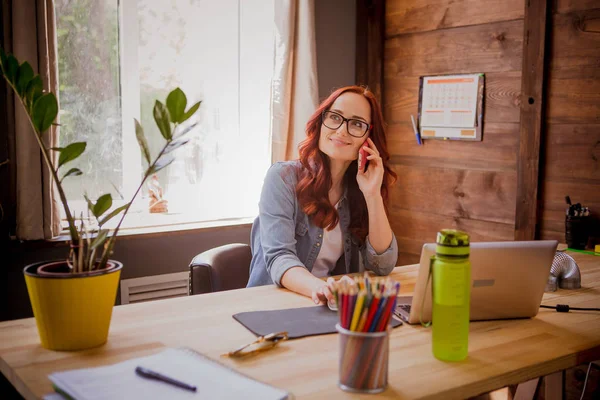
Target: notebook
x=297 y=322
x=119 y=381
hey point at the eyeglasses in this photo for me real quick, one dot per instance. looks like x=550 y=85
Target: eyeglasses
x=261 y=343
x=355 y=127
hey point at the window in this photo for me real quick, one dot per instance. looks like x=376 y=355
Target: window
x=117 y=57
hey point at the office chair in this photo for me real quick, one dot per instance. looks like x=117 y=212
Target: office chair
x=222 y=268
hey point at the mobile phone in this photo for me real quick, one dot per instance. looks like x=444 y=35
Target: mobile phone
x=363 y=157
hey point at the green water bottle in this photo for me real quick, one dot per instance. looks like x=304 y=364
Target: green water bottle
x=451 y=274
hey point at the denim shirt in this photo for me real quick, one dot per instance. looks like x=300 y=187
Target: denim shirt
x=283 y=236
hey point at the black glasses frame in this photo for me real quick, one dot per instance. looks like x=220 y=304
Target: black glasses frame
x=346 y=120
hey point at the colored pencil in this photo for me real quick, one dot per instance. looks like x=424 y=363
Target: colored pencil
x=357 y=310
x=372 y=310
x=377 y=316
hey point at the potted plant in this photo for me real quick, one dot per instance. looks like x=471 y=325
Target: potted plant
x=72 y=299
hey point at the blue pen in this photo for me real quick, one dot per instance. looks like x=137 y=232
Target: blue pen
x=417 y=134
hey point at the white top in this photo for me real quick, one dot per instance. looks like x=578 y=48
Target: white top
x=332 y=249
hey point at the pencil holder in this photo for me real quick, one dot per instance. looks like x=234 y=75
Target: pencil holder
x=576 y=232
x=364 y=358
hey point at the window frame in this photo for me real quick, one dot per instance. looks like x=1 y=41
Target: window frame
x=130 y=102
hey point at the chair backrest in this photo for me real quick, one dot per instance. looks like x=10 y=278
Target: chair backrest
x=222 y=268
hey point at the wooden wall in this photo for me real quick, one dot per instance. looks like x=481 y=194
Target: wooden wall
x=473 y=185
x=571 y=150
x=449 y=184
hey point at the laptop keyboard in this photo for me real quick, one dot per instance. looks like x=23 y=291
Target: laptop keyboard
x=405 y=307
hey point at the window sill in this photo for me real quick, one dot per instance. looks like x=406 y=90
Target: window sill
x=172 y=228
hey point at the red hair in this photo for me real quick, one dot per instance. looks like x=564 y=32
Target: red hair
x=314 y=180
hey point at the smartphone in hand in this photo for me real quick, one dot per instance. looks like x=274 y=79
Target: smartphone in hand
x=363 y=157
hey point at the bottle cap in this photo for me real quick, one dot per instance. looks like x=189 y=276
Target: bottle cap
x=452 y=242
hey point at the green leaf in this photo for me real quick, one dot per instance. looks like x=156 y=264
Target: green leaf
x=175 y=144
x=33 y=91
x=141 y=138
x=162 y=162
x=70 y=152
x=176 y=102
x=102 y=205
x=112 y=214
x=24 y=75
x=161 y=116
x=44 y=112
x=72 y=172
x=11 y=68
x=190 y=112
x=99 y=239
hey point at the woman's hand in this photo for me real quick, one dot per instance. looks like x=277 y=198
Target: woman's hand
x=370 y=181
x=323 y=293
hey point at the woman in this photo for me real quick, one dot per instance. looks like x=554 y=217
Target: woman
x=321 y=215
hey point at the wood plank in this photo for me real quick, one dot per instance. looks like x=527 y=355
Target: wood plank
x=478 y=195
x=409 y=16
x=552 y=235
x=573 y=100
x=572 y=151
x=370 y=25
x=553 y=222
x=532 y=83
x=573 y=49
x=481 y=48
x=585 y=192
x=566 y=6
x=442 y=162
x=497 y=151
x=408 y=258
x=361 y=66
x=501 y=102
x=574 y=76
x=414 y=228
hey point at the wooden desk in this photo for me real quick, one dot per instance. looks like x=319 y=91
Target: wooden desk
x=500 y=352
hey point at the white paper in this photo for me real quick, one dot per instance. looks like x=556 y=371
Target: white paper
x=119 y=381
x=449 y=101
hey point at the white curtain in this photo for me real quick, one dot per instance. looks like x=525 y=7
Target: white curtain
x=295 y=93
x=34 y=40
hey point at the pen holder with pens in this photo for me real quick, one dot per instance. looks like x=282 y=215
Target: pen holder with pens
x=576 y=232
x=577 y=225
x=365 y=311
x=364 y=358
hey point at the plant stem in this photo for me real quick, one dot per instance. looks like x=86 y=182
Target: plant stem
x=110 y=244
x=80 y=251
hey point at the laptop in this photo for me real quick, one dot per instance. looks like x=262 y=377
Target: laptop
x=508 y=281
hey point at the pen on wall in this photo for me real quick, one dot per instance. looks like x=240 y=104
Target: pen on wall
x=417 y=134
x=149 y=374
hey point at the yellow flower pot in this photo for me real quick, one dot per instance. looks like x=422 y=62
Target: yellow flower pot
x=72 y=311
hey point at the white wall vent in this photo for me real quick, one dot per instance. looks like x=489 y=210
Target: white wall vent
x=155 y=287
